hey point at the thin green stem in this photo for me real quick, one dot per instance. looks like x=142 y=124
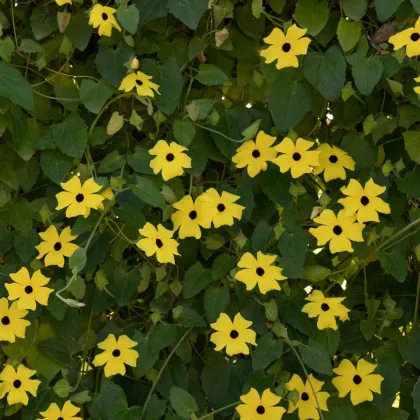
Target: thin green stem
x=218 y=132
x=402 y=239
x=400 y=232
x=416 y=307
x=56 y=99
x=97 y=225
x=12 y=11
x=219 y=410
x=159 y=375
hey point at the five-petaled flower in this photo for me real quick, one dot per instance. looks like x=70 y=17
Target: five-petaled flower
x=222 y=207
x=67 y=412
x=190 y=217
x=103 y=17
x=116 y=354
x=255 y=154
x=170 y=159
x=338 y=230
x=12 y=324
x=233 y=335
x=142 y=82
x=261 y=271
x=333 y=162
x=359 y=381
x=307 y=404
x=409 y=38
x=17 y=383
x=79 y=199
x=158 y=241
x=56 y=246
x=28 y=290
x=364 y=201
x=255 y=407
x=286 y=48
x=326 y=310
x=296 y=157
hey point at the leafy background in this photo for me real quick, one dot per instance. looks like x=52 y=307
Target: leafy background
x=58 y=90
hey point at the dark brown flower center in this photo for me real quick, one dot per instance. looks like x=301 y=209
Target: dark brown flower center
x=364 y=200
x=304 y=396
x=5 y=320
x=357 y=379
x=159 y=243
x=260 y=409
x=260 y=271
x=80 y=198
x=104 y=16
x=193 y=215
x=116 y=353
x=17 y=384
x=57 y=246
x=333 y=159
x=337 y=230
x=415 y=37
x=234 y=334
x=325 y=307
x=221 y=207
x=256 y=153
x=286 y=47
x=139 y=82
x=60 y=418
x=296 y=156
x=170 y=157
x=28 y=290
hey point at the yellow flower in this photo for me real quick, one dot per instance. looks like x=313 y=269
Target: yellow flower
x=222 y=207
x=255 y=155
x=107 y=194
x=55 y=247
x=338 y=230
x=332 y=161
x=103 y=17
x=142 y=83
x=285 y=48
x=364 y=201
x=134 y=64
x=12 y=324
x=296 y=157
x=306 y=404
x=260 y=408
x=160 y=242
x=170 y=159
x=17 y=383
x=259 y=271
x=62 y=2
x=79 y=199
x=360 y=381
x=190 y=216
x=66 y=413
x=326 y=309
x=233 y=335
x=409 y=38
x=28 y=290
x=117 y=354
x=417 y=88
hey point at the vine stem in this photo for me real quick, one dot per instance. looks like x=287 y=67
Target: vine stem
x=307 y=377
x=220 y=134
x=400 y=232
x=416 y=307
x=152 y=389
x=219 y=410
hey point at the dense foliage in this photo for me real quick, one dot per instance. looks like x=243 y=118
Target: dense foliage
x=209 y=206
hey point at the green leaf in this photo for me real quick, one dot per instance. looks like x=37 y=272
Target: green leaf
x=146 y=190
x=410 y=183
x=222 y=265
x=184 y=132
x=140 y=160
x=360 y=148
x=385 y=9
x=79 y=31
x=183 y=402
x=367 y=72
x=289 y=99
x=199 y=109
x=111 y=162
x=216 y=301
x=294 y=245
x=71 y=136
x=316 y=273
x=188 y=11
x=43 y=22
x=329 y=339
x=29 y=46
x=188 y=317
x=211 y=75
x=412 y=144
x=316 y=357
x=7 y=46
x=124 y=284
x=196 y=279
x=348 y=34
x=56 y=350
x=312 y=14
x=416 y=5
x=394 y=262
x=14 y=87
x=129 y=18
x=19 y=215
x=261 y=236
x=416 y=397
x=151 y=9
x=162 y=336
x=354 y=9
x=55 y=165
x=78 y=259
x=268 y=349
x=94 y=95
